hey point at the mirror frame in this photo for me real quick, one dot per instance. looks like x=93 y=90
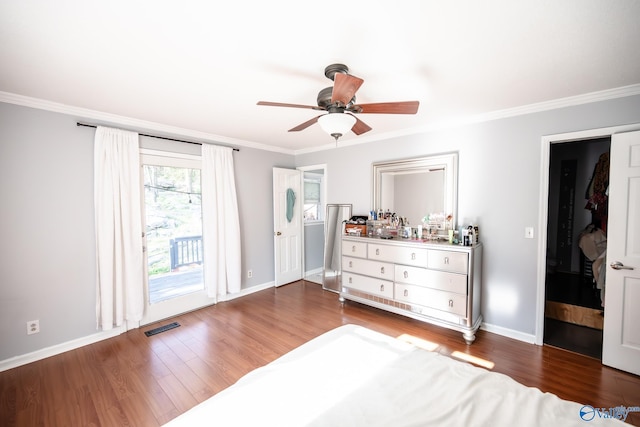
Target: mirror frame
x=448 y=161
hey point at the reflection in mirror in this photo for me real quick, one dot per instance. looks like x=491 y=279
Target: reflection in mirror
x=335 y=218
x=414 y=188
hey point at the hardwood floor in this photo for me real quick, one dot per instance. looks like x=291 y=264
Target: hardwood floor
x=134 y=380
x=572 y=337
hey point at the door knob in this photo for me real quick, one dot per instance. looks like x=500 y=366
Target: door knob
x=617 y=265
x=278 y=233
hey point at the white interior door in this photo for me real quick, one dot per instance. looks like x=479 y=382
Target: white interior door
x=621 y=335
x=287 y=225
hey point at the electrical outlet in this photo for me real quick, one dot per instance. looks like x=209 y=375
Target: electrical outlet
x=33 y=327
x=249 y=274
x=528 y=233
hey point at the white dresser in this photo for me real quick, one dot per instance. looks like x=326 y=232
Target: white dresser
x=434 y=282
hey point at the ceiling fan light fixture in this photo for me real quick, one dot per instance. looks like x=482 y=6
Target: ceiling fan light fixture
x=336 y=124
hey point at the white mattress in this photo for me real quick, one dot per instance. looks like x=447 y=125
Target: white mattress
x=352 y=376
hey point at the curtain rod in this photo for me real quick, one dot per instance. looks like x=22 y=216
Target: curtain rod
x=154 y=136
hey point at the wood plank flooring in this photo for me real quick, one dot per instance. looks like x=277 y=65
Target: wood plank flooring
x=134 y=380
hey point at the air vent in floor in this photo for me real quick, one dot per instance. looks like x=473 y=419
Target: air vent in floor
x=161 y=329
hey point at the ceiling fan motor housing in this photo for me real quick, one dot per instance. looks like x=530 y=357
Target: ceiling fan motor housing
x=324 y=99
x=331 y=70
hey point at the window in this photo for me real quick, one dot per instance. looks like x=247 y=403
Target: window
x=173 y=219
x=313 y=203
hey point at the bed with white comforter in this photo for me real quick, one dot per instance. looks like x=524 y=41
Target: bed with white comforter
x=353 y=376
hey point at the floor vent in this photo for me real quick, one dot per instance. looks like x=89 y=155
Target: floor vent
x=162 y=329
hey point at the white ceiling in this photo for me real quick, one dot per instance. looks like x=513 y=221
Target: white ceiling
x=199 y=67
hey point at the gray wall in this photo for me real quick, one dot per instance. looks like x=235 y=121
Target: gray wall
x=47 y=267
x=498 y=187
x=313 y=246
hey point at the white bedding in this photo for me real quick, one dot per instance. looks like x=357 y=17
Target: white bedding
x=352 y=376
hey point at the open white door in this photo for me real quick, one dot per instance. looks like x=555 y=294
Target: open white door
x=287 y=225
x=621 y=335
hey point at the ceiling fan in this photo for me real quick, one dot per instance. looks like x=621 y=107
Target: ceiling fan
x=339 y=102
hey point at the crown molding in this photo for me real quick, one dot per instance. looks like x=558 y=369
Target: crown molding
x=114 y=119
x=135 y=124
x=554 y=104
x=571 y=101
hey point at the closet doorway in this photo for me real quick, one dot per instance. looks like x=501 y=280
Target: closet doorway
x=576 y=237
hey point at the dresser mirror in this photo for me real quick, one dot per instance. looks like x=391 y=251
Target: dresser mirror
x=416 y=187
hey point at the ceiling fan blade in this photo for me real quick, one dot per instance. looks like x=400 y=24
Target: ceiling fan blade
x=305 y=125
x=345 y=87
x=407 y=107
x=280 y=104
x=359 y=127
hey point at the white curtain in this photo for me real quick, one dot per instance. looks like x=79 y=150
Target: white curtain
x=220 y=222
x=119 y=268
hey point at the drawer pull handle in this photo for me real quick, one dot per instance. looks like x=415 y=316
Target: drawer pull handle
x=450 y=303
x=413 y=255
x=406 y=292
x=406 y=274
x=381 y=270
x=377 y=251
x=353 y=248
x=350 y=263
x=446 y=260
x=350 y=279
x=381 y=288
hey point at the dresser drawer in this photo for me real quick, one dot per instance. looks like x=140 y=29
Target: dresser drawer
x=370 y=285
x=440 y=300
x=457 y=262
x=441 y=280
x=381 y=270
x=398 y=254
x=357 y=249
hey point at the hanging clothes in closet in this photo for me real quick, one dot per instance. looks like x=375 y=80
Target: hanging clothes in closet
x=593 y=243
x=597 y=193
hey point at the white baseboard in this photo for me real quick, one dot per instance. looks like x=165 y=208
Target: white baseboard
x=509 y=333
x=312 y=272
x=247 y=291
x=54 y=350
